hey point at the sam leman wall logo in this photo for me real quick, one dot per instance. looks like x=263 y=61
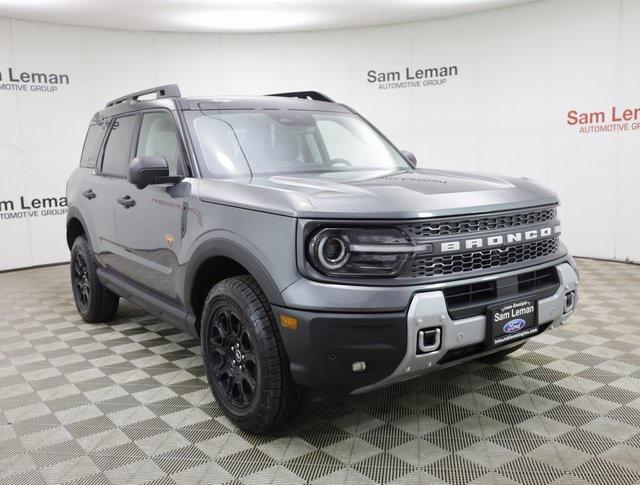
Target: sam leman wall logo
x=412 y=78
x=27 y=208
x=615 y=119
x=14 y=80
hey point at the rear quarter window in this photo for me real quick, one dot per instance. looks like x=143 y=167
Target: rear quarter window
x=91 y=147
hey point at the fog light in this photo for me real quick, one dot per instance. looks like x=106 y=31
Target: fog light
x=359 y=366
x=569 y=302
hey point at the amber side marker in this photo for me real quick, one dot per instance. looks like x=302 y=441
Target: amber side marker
x=289 y=322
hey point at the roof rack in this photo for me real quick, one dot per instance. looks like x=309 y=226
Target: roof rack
x=314 y=95
x=166 y=91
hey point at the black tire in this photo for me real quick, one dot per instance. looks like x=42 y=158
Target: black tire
x=94 y=302
x=244 y=358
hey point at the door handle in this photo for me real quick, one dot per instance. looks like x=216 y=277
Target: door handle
x=126 y=201
x=89 y=194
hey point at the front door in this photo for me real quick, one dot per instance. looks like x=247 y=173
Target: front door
x=149 y=221
x=101 y=189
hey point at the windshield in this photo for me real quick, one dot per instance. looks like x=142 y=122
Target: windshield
x=269 y=142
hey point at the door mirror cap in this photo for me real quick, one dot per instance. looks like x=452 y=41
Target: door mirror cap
x=410 y=158
x=150 y=170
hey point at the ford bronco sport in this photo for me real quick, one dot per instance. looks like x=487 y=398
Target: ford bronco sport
x=303 y=249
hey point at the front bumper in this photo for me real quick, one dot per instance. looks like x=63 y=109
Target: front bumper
x=326 y=345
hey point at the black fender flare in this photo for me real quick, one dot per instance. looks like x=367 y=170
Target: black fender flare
x=74 y=213
x=221 y=246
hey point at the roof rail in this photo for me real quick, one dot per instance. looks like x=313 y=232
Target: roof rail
x=314 y=95
x=166 y=91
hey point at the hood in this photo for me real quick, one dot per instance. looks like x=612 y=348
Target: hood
x=403 y=194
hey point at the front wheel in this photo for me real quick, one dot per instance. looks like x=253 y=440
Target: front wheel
x=244 y=359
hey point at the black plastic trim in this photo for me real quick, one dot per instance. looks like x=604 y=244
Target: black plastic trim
x=314 y=95
x=500 y=289
x=323 y=348
x=155 y=304
x=211 y=248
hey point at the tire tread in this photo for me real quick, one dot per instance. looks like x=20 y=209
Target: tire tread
x=283 y=396
x=103 y=304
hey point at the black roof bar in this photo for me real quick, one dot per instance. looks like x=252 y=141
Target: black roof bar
x=166 y=91
x=315 y=95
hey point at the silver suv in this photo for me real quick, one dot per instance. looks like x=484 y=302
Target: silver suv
x=303 y=249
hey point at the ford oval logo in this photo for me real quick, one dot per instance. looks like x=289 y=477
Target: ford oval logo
x=514 y=325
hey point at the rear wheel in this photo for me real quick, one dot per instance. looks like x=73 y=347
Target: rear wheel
x=94 y=302
x=244 y=358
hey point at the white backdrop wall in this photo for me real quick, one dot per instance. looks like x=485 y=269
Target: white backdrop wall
x=520 y=71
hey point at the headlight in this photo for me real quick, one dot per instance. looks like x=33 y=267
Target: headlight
x=381 y=252
x=332 y=251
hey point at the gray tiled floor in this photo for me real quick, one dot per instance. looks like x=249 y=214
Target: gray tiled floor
x=128 y=403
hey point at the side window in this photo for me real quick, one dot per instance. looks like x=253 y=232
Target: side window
x=220 y=147
x=118 y=148
x=91 y=147
x=158 y=137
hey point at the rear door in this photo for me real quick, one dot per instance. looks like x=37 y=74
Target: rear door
x=150 y=228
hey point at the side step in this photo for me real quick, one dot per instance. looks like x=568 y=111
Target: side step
x=156 y=305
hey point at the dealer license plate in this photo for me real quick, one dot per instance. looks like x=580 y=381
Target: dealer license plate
x=511 y=321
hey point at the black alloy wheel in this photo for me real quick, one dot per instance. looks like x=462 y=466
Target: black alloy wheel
x=244 y=358
x=235 y=368
x=94 y=302
x=80 y=276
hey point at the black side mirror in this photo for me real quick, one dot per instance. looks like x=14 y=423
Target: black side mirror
x=150 y=170
x=411 y=158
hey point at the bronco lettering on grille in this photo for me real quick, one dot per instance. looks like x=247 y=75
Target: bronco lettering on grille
x=499 y=240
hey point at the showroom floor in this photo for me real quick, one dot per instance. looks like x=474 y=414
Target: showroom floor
x=128 y=403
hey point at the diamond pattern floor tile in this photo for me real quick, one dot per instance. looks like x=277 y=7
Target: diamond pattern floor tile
x=129 y=403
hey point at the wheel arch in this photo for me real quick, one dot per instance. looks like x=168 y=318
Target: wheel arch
x=217 y=259
x=76 y=226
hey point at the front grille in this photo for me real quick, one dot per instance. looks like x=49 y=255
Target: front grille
x=451 y=226
x=472 y=299
x=426 y=266
x=546 y=278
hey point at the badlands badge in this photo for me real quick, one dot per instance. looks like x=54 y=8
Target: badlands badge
x=169 y=238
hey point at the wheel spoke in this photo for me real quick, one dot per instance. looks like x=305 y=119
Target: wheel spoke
x=245 y=341
x=249 y=356
x=227 y=383
x=247 y=387
x=220 y=363
x=218 y=337
x=235 y=327
x=80 y=279
x=250 y=380
x=232 y=357
x=241 y=396
x=221 y=322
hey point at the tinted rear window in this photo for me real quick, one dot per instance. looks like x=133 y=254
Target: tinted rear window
x=91 y=147
x=117 y=151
